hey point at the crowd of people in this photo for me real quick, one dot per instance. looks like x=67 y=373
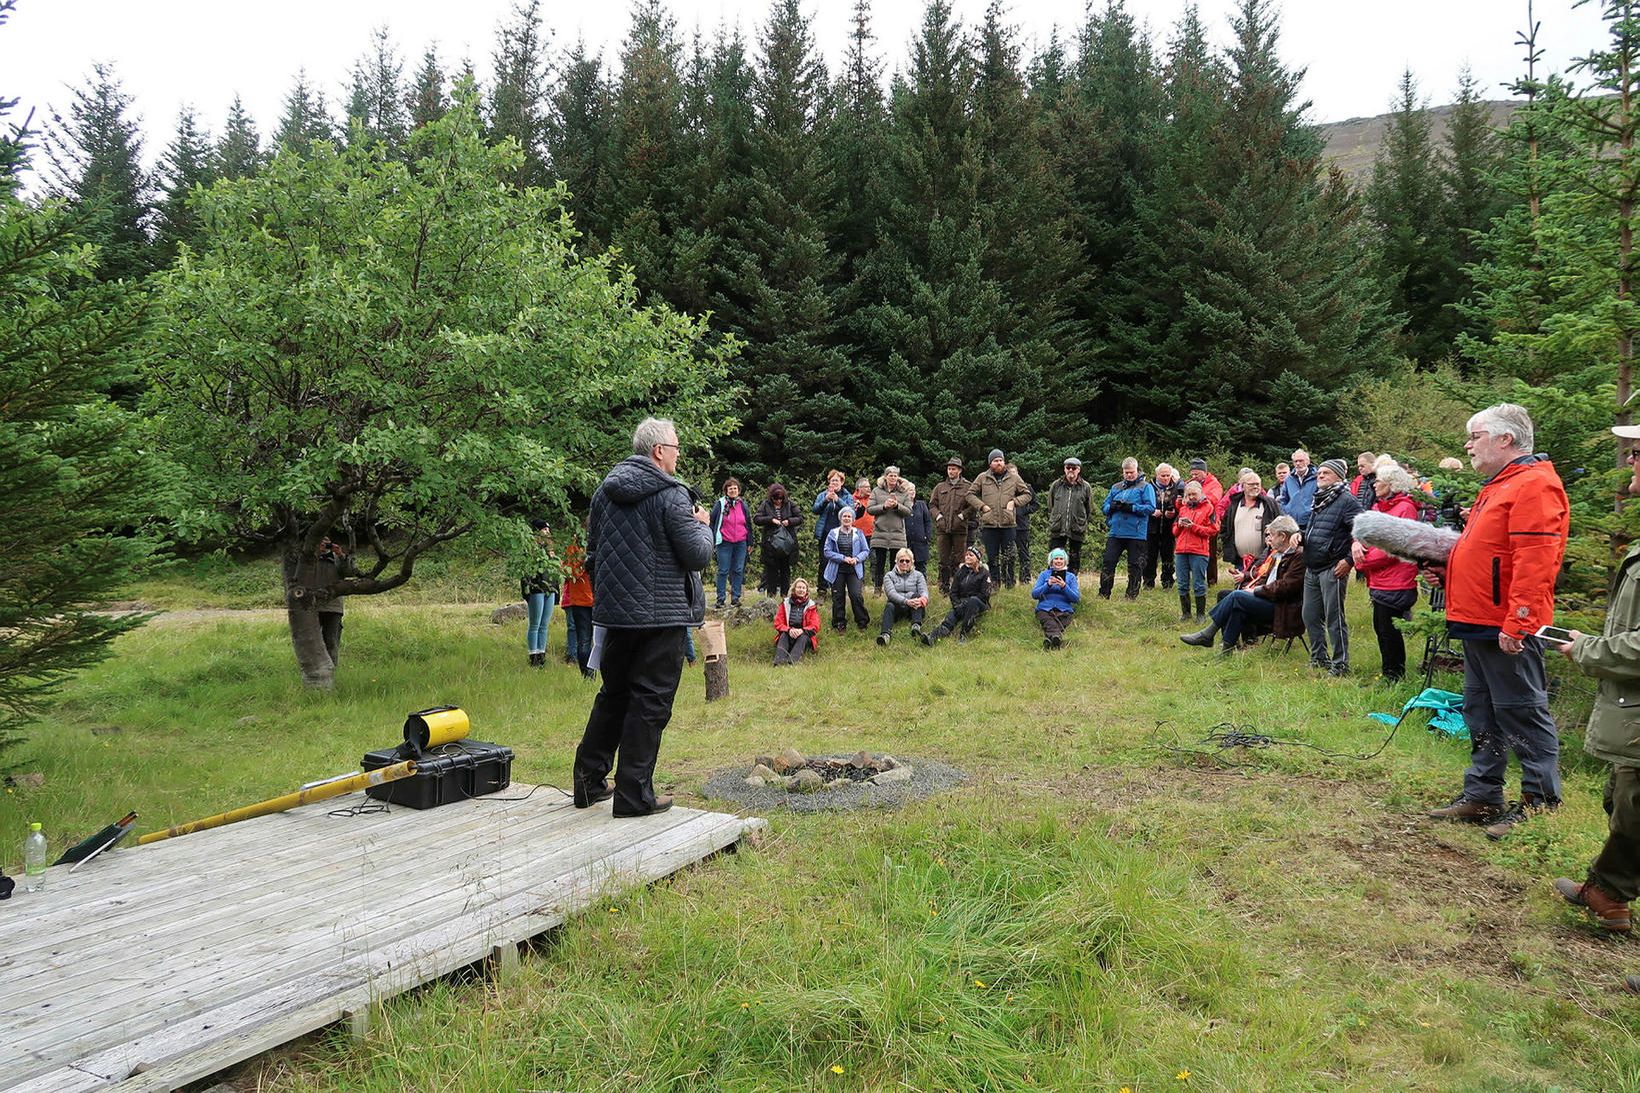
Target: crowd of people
x=1289 y=558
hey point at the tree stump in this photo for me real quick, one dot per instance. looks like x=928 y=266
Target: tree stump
x=715 y=654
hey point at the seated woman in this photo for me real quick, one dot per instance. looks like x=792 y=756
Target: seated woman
x=970 y=598
x=907 y=592
x=1056 y=597
x=1271 y=592
x=796 y=625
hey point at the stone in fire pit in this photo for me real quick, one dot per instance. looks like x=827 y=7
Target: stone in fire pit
x=841 y=782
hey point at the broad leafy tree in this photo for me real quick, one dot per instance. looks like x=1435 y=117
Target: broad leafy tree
x=395 y=354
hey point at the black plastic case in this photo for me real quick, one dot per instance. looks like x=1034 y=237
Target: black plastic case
x=448 y=773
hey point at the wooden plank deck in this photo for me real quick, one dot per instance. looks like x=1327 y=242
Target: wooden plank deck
x=154 y=966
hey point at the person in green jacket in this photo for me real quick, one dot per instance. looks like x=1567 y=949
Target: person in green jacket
x=1613 y=735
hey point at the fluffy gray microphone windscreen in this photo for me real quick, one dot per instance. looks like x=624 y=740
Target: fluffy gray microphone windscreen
x=1413 y=540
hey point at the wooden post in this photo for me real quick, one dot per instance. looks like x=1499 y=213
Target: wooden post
x=715 y=650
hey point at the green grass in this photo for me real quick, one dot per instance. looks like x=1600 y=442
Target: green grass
x=234 y=582
x=1090 y=911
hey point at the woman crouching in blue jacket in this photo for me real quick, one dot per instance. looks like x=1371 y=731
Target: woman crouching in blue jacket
x=1056 y=596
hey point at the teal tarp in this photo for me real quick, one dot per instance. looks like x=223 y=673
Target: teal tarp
x=1445 y=712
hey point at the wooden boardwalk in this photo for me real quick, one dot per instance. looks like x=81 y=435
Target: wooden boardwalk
x=162 y=964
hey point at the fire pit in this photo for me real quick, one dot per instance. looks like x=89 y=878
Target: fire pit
x=837 y=782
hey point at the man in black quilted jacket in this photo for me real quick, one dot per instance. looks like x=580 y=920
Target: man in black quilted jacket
x=647 y=542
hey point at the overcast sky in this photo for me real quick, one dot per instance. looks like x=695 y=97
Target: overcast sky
x=203 y=52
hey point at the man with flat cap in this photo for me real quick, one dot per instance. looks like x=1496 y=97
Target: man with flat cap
x=1070 y=510
x=949 y=504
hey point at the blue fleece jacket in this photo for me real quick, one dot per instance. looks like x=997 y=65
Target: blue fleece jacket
x=1297 y=497
x=1051 y=598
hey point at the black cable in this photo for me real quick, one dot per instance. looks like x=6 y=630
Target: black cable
x=1227 y=735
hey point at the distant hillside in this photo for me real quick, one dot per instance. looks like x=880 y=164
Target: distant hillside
x=1353 y=144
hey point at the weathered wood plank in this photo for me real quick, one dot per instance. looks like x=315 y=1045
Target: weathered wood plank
x=198 y=1044
x=396 y=902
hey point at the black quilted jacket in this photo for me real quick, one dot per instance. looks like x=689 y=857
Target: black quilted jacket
x=645 y=550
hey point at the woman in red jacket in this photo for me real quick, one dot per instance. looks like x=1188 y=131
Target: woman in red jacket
x=1392 y=584
x=796 y=625
x=1194 y=528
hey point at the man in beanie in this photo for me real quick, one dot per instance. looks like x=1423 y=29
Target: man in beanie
x=970 y=598
x=949 y=503
x=996 y=493
x=1613 y=880
x=1500 y=588
x=1327 y=567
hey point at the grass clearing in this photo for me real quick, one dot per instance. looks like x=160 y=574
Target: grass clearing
x=1090 y=911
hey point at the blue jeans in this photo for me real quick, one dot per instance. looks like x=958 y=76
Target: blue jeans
x=540 y=606
x=1236 y=610
x=578 y=635
x=1190 y=573
x=1506 y=705
x=731 y=566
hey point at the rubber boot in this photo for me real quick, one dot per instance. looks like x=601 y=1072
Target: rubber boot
x=1184 y=607
x=1201 y=608
x=1202 y=638
x=931 y=636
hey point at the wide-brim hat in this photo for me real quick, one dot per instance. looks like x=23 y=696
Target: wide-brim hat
x=1627 y=432
x=954 y=461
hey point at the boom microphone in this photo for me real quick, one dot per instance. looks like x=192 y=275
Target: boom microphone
x=1410 y=540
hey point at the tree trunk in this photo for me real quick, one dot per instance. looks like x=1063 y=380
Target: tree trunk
x=301 y=612
x=717 y=678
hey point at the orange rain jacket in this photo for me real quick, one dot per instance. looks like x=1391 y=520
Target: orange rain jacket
x=1502 y=571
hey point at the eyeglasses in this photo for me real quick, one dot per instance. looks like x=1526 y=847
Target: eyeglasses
x=665 y=445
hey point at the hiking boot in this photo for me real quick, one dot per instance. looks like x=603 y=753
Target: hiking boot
x=588 y=794
x=1226 y=650
x=1203 y=638
x=940 y=631
x=962 y=637
x=1339 y=671
x=1611 y=914
x=1518 y=812
x=882 y=639
x=1468 y=811
x=1047 y=643
x=916 y=631
x=661 y=805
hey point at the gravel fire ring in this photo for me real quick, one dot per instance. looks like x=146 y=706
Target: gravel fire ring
x=928 y=776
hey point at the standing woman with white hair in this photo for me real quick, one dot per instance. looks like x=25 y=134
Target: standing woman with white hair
x=1392 y=584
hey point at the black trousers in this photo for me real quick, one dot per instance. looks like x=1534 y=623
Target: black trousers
x=847 y=590
x=1159 y=553
x=965 y=613
x=1114 y=549
x=777 y=573
x=893 y=612
x=1071 y=547
x=1022 y=547
x=880 y=562
x=330 y=629
x=998 y=542
x=1392 y=645
x=641 y=670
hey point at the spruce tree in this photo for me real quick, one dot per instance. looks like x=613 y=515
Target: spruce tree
x=648 y=157
x=14 y=135
x=577 y=136
x=518 y=99
x=375 y=105
x=239 y=152
x=96 y=159
x=1470 y=168
x=854 y=142
x=427 y=100
x=306 y=117
x=797 y=414
x=1407 y=204
x=189 y=161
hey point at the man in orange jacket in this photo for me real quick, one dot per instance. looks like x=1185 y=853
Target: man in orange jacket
x=1500 y=587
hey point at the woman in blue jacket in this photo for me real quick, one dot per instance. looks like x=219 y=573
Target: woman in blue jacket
x=827 y=504
x=1056 y=595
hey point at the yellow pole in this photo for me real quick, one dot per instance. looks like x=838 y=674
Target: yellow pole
x=321 y=792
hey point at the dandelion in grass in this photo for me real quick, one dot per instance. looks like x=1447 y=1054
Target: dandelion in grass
x=836 y=1068
x=1182 y=1076
x=980 y=983
x=745 y=1005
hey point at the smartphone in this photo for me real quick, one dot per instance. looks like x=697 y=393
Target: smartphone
x=1557 y=634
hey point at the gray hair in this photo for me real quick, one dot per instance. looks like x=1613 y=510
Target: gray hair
x=1250 y=476
x=1130 y=462
x=1396 y=478
x=1166 y=468
x=1505 y=417
x=1286 y=525
x=891 y=469
x=652 y=431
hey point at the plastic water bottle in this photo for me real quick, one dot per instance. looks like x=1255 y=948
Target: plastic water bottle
x=34 y=860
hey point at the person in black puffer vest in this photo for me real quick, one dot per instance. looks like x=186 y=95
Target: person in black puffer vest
x=647 y=542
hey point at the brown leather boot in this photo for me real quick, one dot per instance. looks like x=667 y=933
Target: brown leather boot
x=1609 y=913
x=1467 y=810
x=1517 y=813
